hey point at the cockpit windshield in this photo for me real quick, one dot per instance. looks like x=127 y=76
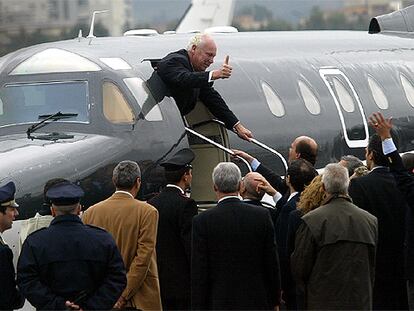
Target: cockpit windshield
x=23 y=103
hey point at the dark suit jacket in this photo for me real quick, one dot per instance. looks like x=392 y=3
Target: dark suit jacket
x=176 y=212
x=378 y=194
x=187 y=85
x=234 y=259
x=271 y=210
x=10 y=297
x=405 y=183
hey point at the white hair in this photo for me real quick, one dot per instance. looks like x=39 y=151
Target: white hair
x=226 y=177
x=196 y=40
x=335 y=178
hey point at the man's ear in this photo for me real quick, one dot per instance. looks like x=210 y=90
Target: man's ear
x=215 y=188
x=52 y=210
x=242 y=188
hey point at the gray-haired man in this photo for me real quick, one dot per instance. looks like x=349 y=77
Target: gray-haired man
x=234 y=258
x=184 y=72
x=133 y=224
x=334 y=257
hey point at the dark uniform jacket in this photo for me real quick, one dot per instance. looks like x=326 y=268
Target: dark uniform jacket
x=10 y=297
x=187 y=86
x=176 y=212
x=234 y=259
x=334 y=257
x=70 y=261
x=378 y=194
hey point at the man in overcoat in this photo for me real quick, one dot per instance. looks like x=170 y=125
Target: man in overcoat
x=377 y=193
x=334 y=256
x=176 y=212
x=10 y=297
x=133 y=224
x=234 y=263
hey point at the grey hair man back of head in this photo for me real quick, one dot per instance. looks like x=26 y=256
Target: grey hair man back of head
x=125 y=174
x=335 y=179
x=226 y=177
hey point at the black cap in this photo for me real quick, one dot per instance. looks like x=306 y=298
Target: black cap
x=7 y=195
x=180 y=160
x=64 y=193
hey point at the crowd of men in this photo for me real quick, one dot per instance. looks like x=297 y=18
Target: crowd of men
x=343 y=240
x=350 y=248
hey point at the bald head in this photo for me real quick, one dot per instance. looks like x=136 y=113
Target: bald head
x=201 y=50
x=249 y=189
x=304 y=147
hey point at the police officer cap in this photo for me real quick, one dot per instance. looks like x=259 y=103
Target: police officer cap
x=7 y=195
x=181 y=159
x=64 y=193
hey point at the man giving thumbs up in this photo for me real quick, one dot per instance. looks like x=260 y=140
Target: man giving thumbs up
x=184 y=72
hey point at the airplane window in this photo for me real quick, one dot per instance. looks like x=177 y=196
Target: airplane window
x=54 y=61
x=345 y=99
x=273 y=101
x=115 y=63
x=378 y=94
x=115 y=107
x=23 y=103
x=408 y=89
x=146 y=101
x=309 y=98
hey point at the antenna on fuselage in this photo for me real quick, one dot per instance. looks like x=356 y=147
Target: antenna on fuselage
x=91 y=29
x=80 y=36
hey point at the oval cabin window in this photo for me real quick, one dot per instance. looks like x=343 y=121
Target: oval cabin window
x=378 y=94
x=273 y=101
x=345 y=99
x=309 y=98
x=408 y=89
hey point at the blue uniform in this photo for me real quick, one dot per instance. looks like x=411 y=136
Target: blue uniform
x=71 y=261
x=10 y=297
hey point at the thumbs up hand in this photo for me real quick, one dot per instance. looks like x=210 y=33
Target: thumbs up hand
x=224 y=72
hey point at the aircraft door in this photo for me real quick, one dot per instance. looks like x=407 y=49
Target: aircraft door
x=348 y=105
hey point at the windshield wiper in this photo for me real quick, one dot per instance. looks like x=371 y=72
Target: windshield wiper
x=48 y=117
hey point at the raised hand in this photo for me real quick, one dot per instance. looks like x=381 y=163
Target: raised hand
x=381 y=125
x=224 y=72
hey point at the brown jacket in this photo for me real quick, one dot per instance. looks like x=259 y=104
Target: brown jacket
x=133 y=224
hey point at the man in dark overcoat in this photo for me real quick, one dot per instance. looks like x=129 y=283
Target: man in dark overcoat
x=176 y=212
x=184 y=73
x=377 y=193
x=234 y=263
x=405 y=183
x=10 y=297
x=70 y=265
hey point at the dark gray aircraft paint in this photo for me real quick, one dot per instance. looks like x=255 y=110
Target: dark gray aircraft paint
x=323 y=84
